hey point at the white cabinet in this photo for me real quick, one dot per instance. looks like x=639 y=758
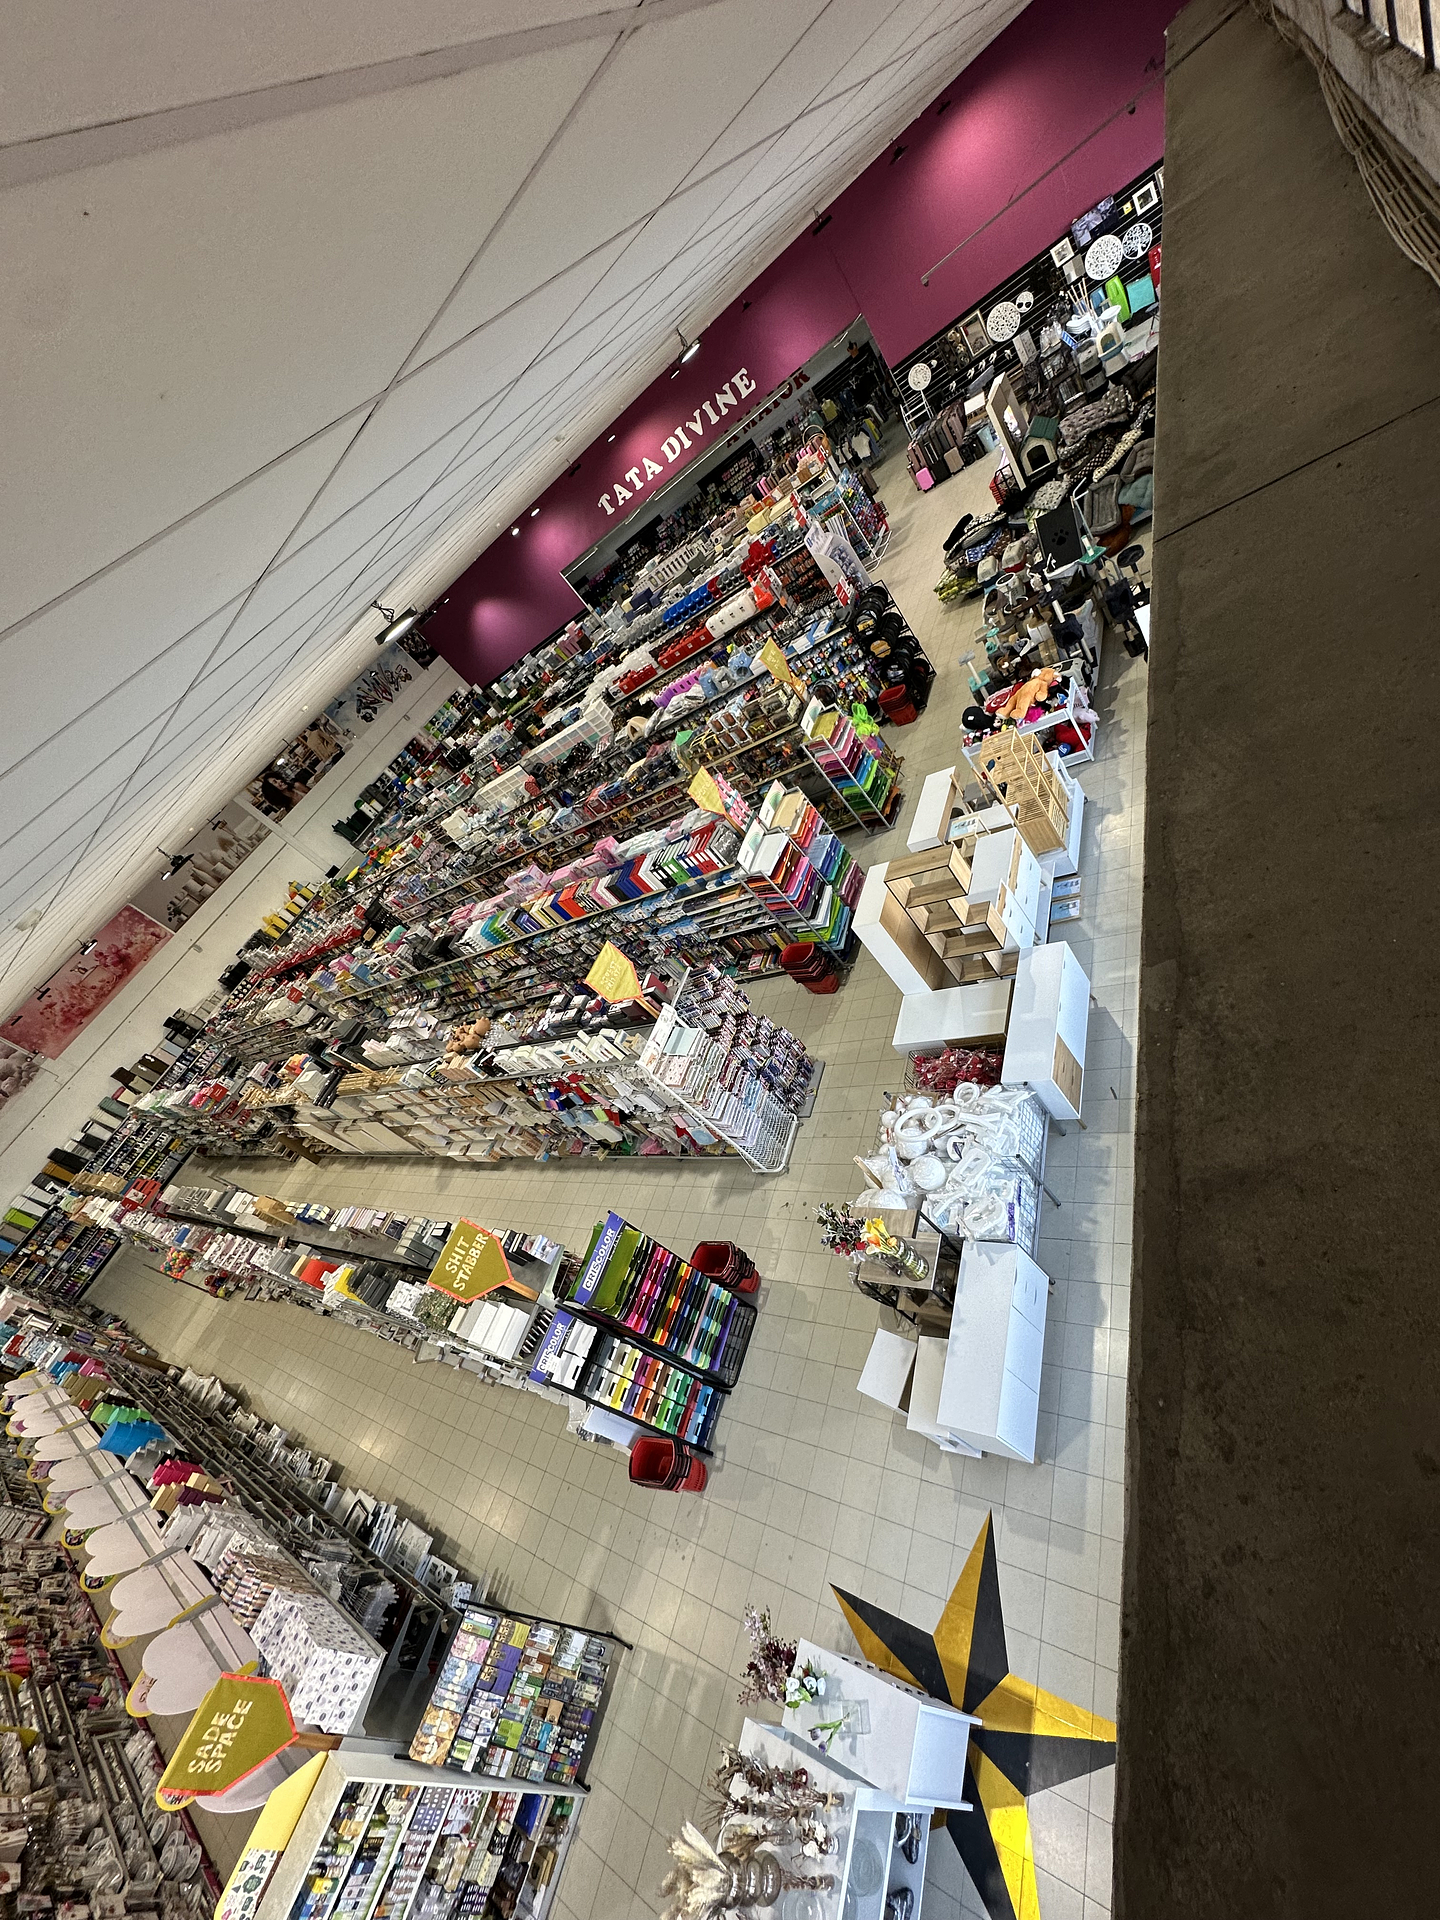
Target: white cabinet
x=990 y=1392
x=911 y=1747
x=867 y=1865
x=1049 y=1019
x=956 y=1016
x=926 y=1383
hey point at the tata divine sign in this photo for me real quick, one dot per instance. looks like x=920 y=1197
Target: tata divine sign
x=737 y=388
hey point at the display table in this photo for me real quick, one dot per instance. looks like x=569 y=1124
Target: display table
x=906 y=1744
x=864 y=1820
x=1049 y=1021
x=990 y=1391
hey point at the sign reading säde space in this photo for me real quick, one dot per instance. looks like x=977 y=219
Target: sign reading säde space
x=240 y=1724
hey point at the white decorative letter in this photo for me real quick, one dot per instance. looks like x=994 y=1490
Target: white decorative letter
x=621 y=493
x=696 y=425
x=651 y=469
x=632 y=474
x=725 y=399
x=605 y=503
x=743 y=383
x=671 y=449
x=714 y=417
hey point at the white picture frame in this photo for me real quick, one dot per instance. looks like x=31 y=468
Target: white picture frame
x=1147 y=196
x=1062 y=251
x=973 y=333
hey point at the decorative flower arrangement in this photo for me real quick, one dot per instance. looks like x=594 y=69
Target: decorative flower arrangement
x=772 y=1659
x=841 y=1229
x=847 y=1234
x=804 y=1686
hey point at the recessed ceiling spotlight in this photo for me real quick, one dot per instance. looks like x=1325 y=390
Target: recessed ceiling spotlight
x=514 y=532
x=608 y=438
x=533 y=512
x=686 y=352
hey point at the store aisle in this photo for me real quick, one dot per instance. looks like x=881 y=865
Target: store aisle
x=812 y=1484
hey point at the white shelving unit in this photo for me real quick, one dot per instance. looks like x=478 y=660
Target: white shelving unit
x=404 y=1858
x=866 y=1814
x=990 y=1391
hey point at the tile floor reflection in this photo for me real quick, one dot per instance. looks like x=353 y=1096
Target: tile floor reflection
x=811 y=1485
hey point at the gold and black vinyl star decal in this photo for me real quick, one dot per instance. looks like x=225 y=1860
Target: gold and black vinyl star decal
x=1027 y=1739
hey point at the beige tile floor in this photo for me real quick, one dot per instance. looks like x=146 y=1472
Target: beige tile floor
x=812 y=1484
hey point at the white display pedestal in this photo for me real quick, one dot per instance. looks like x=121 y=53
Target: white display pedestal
x=913 y=1748
x=1049 y=1020
x=955 y=1016
x=990 y=1392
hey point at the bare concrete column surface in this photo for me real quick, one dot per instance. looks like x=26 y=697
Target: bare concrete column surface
x=1279 y=1702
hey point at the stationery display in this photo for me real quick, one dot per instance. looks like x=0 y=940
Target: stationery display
x=632 y=1283
x=79 y=1820
x=515 y=1698
x=579 y=1357
x=388 y=1837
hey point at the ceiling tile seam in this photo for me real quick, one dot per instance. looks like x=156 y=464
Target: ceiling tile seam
x=749 y=153
x=495 y=226
x=544 y=400
x=105 y=801
x=370 y=400
x=680 y=186
x=278 y=553
x=180 y=779
x=44 y=156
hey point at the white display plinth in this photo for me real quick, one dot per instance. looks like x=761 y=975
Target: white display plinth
x=913 y=1748
x=990 y=1392
x=1049 y=1021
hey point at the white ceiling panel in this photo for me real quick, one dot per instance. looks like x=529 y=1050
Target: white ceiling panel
x=302 y=303
x=105 y=630
x=279 y=310
x=79 y=63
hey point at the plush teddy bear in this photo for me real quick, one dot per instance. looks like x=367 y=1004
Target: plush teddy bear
x=1030 y=693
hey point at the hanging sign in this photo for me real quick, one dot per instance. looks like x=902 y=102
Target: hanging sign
x=613 y=975
x=714 y=793
x=472 y=1263
x=239 y=1725
x=773 y=660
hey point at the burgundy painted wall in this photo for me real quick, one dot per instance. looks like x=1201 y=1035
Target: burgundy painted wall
x=1056 y=73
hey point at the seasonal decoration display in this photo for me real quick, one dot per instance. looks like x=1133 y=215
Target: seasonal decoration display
x=943 y=1072
x=771 y=1660
x=855 y=1238
x=707 y=1883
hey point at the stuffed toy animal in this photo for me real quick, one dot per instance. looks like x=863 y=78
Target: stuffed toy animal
x=1031 y=693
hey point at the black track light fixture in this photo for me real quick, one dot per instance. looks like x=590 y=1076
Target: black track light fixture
x=397 y=625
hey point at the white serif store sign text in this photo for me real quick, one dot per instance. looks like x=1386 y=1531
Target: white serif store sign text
x=737 y=388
